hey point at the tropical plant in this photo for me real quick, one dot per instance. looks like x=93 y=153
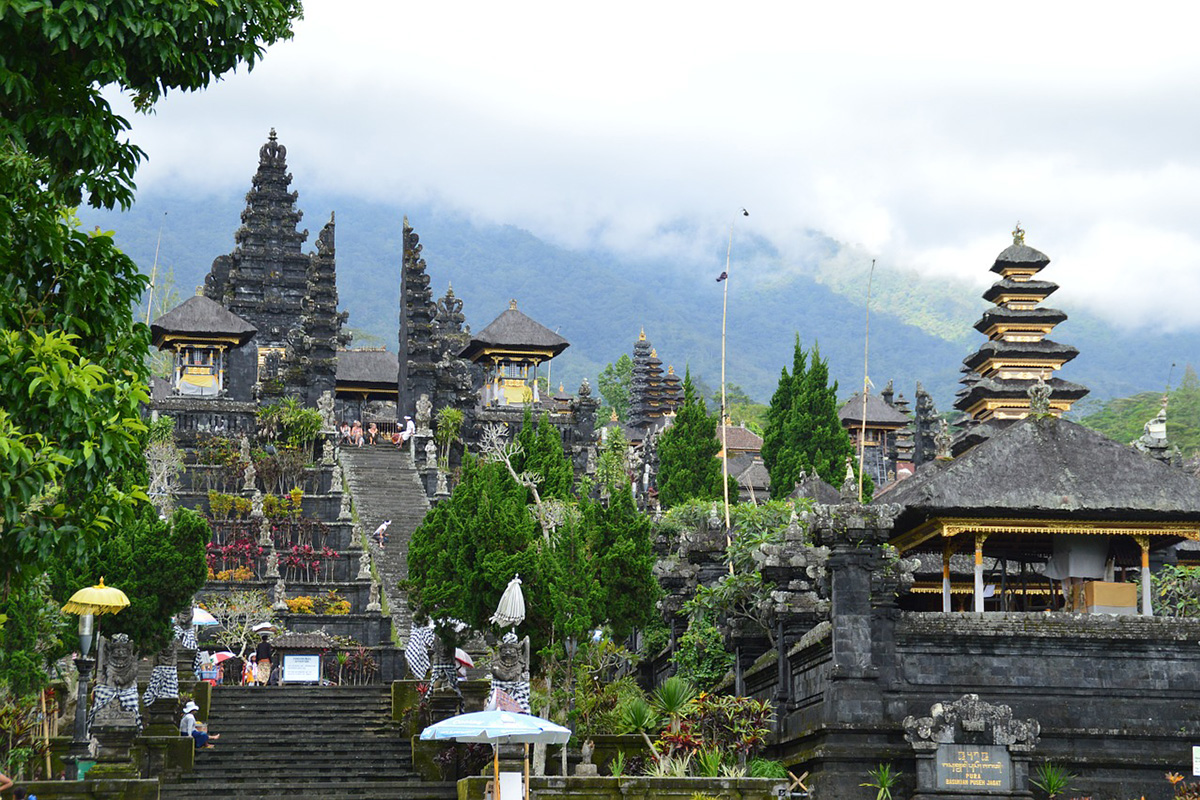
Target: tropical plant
x=1053 y=779
x=672 y=700
x=766 y=768
x=670 y=767
x=709 y=763
x=238 y=612
x=1176 y=589
x=700 y=656
x=637 y=716
x=616 y=767
x=883 y=780
x=448 y=430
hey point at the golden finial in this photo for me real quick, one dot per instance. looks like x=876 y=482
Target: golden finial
x=614 y=415
x=671 y=370
x=653 y=352
x=642 y=335
x=512 y=305
x=1018 y=234
x=561 y=390
x=199 y=291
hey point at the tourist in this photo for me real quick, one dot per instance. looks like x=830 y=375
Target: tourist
x=197 y=730
x=21 y=793
x=372 y=434
x=380 y=535
x=5 y=782
x=356 y=434
x=344 y=430
x=409 y=430
x=397 y=438
x=262 y=658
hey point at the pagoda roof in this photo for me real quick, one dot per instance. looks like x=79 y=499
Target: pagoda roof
x=750 y=471
x=878 y=414
x=1047 y=467
x=201 y=317
x=739 y=438
x=816 y=489
x=1020 y=255
x=367 y=366
x=1045 y=350
x=1016 y=388
x=1019 y=316
x=513 y=330
x=1042 y=289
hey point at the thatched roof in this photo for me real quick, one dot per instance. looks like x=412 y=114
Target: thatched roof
x=1020 y=255
x=813 y=488
x=740 y=438
x=514 y=330
x=878 y=413
x=201 y=317
x=367 y=366
x=1047 y=467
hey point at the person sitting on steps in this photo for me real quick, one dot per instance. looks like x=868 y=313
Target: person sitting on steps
x=188 y=726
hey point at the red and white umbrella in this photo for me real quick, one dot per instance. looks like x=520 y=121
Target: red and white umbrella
x=463 y=658
x=223 y=655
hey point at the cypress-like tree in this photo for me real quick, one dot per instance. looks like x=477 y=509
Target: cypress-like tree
x=624 y=561
x=687 y=465
x=803 y=430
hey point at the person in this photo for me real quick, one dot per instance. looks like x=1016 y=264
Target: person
x=344 y=430
x=21 y=793
x=409 y=429
x=380 y=535
x=372 y=433
x=5 y=782
x=197 y=730
x=397 y=438
x=262 y=658
x=356 y=434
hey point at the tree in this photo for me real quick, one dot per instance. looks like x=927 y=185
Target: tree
x=72 y=359
x=615 y=384
x=624 y=562
x=687 y=464
x=542 y=455
x=58 y=57
x=803 y=432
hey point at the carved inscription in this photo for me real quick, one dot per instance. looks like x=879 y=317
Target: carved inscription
x=973 y=768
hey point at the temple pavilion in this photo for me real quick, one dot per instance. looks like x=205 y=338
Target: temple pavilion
x=510 y=349
x=1028 y=496
x=200 y=334
x=874 y=426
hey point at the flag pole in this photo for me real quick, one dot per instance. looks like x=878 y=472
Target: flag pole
x=862 y=436
x=724 y=428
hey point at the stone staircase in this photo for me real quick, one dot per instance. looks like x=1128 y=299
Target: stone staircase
x=385 y=485
x=293 y=742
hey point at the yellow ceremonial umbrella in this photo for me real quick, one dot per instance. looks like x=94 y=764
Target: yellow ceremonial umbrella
x=99 y=599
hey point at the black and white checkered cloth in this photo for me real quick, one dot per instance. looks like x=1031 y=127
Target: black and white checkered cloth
x=517 y=690
x=416 y=652
x=164 y=682
x=104 y=694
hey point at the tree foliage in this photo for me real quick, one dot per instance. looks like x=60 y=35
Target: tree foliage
x=615 y=384
x=803 y=432
x=58 y=56
x=687 y=464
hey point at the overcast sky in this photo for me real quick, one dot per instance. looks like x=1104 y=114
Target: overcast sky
x=919 y=131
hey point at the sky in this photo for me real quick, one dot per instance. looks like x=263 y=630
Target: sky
x=919 y=133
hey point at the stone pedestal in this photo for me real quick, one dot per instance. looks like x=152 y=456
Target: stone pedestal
x=114 y=730
x=443 y=704
x=160 y=717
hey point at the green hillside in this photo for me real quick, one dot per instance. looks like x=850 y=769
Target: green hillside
x=598 y=300
x=1124 y=418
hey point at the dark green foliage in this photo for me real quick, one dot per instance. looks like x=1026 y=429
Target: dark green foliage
x=624 y=564
x=542 y=453
x=700 y=654
x=803 y=432
x=469 y=546
x=1124 y=418
x=614 y=384
x=58 y=57
x=687 y=465
x=289 y=423
x=30 y=637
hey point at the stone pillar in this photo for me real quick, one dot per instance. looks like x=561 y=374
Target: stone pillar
x=947 y=551
x=980 y=538
x=114 y=729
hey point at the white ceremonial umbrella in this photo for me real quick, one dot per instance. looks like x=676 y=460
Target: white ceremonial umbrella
x=200 y=617
x=495 y=728
x=511 y=609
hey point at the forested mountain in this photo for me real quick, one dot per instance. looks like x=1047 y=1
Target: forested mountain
x=1124 y=418
x=599 y=301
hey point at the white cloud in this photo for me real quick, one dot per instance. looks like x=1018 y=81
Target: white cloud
x=921 y=132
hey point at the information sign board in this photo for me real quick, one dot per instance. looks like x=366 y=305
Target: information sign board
x=973 y=769
x=301 y=668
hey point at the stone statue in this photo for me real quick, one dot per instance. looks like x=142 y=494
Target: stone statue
x=118 y=678
x=510 y=669
x=942 y=440
x=264 y=532
x=1039 y=398
x=344 y=512
x=585 y=766
x=325 y=406
x=256 y=504
x=445 y=672
x=272 y=565
x=373 y=603
x=442 y=489
x=280 y=593
x=430 y=454
x=424 y=416
x=244 y=449
x=335 y=482
x=164 y=679
x=364 y=566
x=249 y=476
x=327 y=451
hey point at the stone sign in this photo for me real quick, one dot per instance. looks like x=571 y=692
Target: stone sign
x=973 y=768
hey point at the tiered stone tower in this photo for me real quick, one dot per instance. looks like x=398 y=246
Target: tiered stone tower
x=418 y=353
x=1017 y=354
x=271 y=284
x=652 y=395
